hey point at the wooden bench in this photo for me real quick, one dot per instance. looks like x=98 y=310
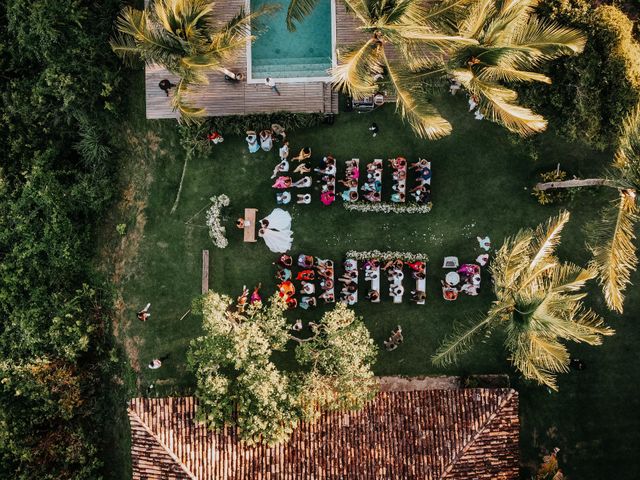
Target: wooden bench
x=250 y=224
x=205 y=271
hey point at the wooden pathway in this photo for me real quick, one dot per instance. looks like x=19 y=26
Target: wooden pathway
x=220 y=97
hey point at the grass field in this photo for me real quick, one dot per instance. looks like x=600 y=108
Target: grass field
x=481 y=185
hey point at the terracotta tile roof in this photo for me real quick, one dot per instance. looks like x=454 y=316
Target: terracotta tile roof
x=429 y=434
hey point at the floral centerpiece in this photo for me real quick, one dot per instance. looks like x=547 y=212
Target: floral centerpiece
x=387 y=207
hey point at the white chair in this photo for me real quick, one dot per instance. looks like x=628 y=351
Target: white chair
x=450 y=262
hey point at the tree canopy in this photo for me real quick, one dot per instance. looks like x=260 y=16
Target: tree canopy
x=239 y=384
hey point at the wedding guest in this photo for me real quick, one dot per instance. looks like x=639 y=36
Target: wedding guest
x=279 y=131
x=282 y=182
x=283 y=198
x=157 y=362
x=297 y=326
x=284 y=151
x=144 y=314
x=304 y=182
x=304 y=154
x=306 y=302
x=266 y=140
x=302 y=169
x=373 y=295
x=252 y=141
x=281 y=167
x=304 y=198
x=374 y=129
x=255 y=295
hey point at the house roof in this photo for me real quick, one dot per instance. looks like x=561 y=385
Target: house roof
x=428 y=434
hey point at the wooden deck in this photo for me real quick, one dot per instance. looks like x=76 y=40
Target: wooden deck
x=221 y=98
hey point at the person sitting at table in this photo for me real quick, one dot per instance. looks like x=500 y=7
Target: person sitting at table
x=283 y=274
x=292 y=303
x=305 y=261
x=349 y=183
x=470 y=289
x=328 y=297
x=302 y=169
x=286 y=289
x=395 y=274
x=417 y=266
x=282 y=182
x=266 y=140
x=373 y=196
x=304 y=182
x=418 y=296
x=324 y=262
x=373 y=295
x=281 y=167
x=397 y=197
x=348 y=298
x=307 y=275
x=418 y=275
x=308 y=287
x=396 y=264
x=327 y=198
x=329 y=167
x=304 y=198
x=419 y=165
x=371 y=263
x=399 y=186
x=307 y=301
x=303 y=155
x=396 y=290
x=399 y=175
x=326 y=283
x=283 y=198
x=278 y=130
x=240 y=223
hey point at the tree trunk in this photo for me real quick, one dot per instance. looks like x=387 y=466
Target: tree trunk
x=587 y=182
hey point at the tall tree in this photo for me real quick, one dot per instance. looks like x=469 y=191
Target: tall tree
x=412 y=47
x=183 y=37
x=238 y=384
x=338 y=357
x=538 y=304
x=611 y=241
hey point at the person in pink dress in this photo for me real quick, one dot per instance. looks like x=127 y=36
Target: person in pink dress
x=327 y=198
x=282 y=182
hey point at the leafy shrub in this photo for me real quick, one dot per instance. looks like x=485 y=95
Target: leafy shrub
x=592 y=92
x=554 y=195
x=238 y=125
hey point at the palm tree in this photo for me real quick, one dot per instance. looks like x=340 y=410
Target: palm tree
x=612 y=238
x=510 y=43
x=414 y=46
x=182 y=36
x=538 y=304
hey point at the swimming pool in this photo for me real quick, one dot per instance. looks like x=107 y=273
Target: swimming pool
x=303 y=55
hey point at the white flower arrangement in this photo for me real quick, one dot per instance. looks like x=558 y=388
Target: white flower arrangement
x=387 y=207
x=406 y=256
x=216 y=230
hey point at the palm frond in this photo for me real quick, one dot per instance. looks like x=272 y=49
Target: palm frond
x=499 y=106
x=627 y=157
x=461 y=340
x=547 y=237
x=355 y=70
x=548 y=40
x=614 y=251
x=424 y=118
x=189 y=113
x=298 y=10
x=476 y=18
x=498 y=73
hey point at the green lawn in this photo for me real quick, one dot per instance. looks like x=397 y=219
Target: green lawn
x=481 y=185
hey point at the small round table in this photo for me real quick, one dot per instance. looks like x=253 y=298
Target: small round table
x=452 y=278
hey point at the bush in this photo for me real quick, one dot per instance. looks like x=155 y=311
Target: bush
x=238 y=125
x=592 y=92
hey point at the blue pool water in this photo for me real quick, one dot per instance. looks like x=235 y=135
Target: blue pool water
x=278 y=53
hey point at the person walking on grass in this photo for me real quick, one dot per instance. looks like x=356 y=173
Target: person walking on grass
x=144 y=314
x=156 y=363
x=374 y=129
x=270 y=82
